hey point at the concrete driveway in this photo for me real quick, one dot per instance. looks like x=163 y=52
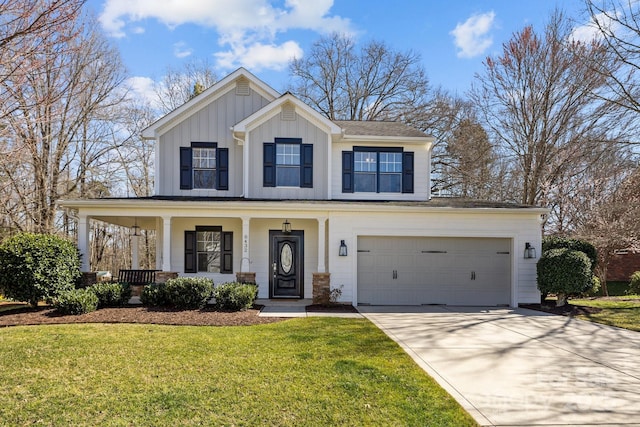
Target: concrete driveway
x=517 y=367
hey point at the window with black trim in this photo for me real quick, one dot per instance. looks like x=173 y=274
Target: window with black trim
x=204 y=166
x=208 y=249
x=288 y=163
x=377 y=170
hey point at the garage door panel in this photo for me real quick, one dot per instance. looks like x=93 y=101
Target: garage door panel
x=438 y=270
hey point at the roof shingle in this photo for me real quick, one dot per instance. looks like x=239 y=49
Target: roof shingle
x=378 y=128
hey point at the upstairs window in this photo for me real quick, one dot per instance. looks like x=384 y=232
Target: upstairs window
x=377 y=170
x=288 y=163
x=204 y=166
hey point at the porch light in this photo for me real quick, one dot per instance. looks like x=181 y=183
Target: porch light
x=529 y=251
x=286 y=227
x=343 y=248
x=136 y=228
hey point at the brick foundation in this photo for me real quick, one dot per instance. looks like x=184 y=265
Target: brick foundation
x=245 y=277
x=321 y=288
x=136 y=290
x=163 y=276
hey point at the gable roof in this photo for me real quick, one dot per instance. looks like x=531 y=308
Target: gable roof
x=273 y=108
x=206 y=97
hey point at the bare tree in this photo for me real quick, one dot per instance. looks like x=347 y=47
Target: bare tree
x=180 y=84
x=370 y=83
x=617 y=25
x=542 y=106
x=53 y=135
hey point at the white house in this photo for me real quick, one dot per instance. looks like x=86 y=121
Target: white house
x=239 y=164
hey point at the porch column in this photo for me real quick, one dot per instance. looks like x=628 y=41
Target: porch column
x=245 y=261
x=83 y=242
x=166 y=243
x=321 y=244
x=159 y=239
x=135 y=259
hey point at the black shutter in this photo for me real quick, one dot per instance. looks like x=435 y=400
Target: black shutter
x=347 y=171
x=222 y=168
x=226 y=266
x=185 y=168
x=306 y=165
x=190 y=254
x=407 y=172
x=269 y=165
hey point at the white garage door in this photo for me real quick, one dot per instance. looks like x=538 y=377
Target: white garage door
x=434 y=270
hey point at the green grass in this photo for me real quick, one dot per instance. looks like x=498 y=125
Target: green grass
x=623 y=312
x=312 y=371
x=614 y=288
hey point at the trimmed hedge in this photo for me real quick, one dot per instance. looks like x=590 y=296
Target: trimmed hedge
x=76 y=301
x=634 y=285
x=182 y=292
x=35 y=267
x=564 y=272
x=111 y=294
x=554 y=242
x=235 y=296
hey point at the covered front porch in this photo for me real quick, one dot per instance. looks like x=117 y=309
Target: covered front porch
x=284 y=251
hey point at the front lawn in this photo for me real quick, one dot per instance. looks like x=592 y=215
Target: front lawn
x=311 y=371
x=623 y=312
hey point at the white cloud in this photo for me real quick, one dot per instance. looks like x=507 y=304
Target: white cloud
x=143 y=87
x=258 y=56
x=590 y=31
x=138 y=30
x=243 y=26
x=181 y=50
x=472 y=36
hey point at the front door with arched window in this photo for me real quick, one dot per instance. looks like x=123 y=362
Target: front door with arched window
x=286 y=256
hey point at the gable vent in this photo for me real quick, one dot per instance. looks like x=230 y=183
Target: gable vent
x=288 y=112
x=242 y=87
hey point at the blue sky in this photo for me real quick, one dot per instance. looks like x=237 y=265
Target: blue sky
x=453 y=37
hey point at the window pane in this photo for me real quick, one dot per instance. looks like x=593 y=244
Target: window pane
x=288 y=176
x=208 y=248
x=287 y=154
x=204 y=178
x=390 y=162
x=365 y=182
x=390 y=182
x=365 y=161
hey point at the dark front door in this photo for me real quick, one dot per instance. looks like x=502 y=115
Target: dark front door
x=286 y=262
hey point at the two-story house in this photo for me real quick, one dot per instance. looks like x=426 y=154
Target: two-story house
x=255 y=184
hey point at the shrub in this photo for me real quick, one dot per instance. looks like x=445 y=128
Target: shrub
x=554 y=242
x=76 y=301
x=634 y=285
x=154 y=295
x=36 y=267
x=564 y=272
x=111 y=294
x=188 y=292
x=235 y=296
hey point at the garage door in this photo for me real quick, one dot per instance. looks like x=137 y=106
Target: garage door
x=434 y=270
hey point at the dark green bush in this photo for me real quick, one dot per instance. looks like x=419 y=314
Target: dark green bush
x=235 y=296
x=554 y=242
x=35 y=267
x=111 y=294
x=634 y=285
x=564 y=272
x=188 y=292
x=154 y=295
x=76 y=301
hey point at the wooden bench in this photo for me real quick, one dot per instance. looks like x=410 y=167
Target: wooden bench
x=137 y=277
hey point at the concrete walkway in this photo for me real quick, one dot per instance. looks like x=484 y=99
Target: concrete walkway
x=517 y=367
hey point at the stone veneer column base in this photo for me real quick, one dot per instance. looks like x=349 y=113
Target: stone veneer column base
x=245 y=277
x=163 y=276
x=321 y=288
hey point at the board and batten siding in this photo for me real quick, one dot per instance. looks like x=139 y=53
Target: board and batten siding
x=210 y=124
x=519 y=227
x=278 y=128
x=421 y=169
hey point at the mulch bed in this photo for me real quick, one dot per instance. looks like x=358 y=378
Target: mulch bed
x=331 y=308
x=565 y=310
x=137 y=314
